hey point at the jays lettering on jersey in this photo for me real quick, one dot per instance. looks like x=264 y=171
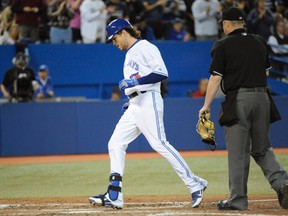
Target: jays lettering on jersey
x=142 y=59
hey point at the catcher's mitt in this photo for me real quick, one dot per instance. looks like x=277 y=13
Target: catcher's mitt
x=206 y=129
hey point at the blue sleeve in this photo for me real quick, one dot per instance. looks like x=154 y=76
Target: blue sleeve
x=151 y=78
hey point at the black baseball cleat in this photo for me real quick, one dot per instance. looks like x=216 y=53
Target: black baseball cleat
x=283 y=196
x=224 y=205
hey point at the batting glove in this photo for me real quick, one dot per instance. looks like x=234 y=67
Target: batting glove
x=128 y=83
x=125 y=106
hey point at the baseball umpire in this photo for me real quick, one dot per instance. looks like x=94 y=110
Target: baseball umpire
x=144 y=70
x=240 y=65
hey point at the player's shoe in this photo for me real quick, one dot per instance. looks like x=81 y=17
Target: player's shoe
x=197 y=198
x=104 y=200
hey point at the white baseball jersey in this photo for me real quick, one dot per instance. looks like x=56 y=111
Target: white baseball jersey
x=142 y=59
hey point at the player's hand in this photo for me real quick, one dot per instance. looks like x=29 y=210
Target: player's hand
x=127 y=83
x=125 y=106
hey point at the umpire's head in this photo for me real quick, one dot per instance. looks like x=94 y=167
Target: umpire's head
x=232 y=19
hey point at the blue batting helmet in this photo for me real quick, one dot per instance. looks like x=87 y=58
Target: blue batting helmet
x=43 y=67
x=115 y=26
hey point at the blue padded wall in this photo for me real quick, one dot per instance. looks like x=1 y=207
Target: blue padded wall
x=85 y=127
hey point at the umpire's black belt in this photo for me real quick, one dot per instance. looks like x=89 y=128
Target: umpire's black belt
x=135 y=94
x=255 y=89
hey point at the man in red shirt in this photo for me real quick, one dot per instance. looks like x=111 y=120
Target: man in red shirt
x=201 y=91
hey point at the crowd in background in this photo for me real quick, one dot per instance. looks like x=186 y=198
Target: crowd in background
x=84 y=21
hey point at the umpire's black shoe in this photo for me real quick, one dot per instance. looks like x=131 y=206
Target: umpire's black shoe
x=283 y=196
x=224 y=205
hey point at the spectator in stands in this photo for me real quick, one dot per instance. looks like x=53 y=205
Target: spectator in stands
x=135 y=8
x=45 y=84
x=206 y=14
x=75 y=22
x=116 y=9
x=250 y=4
x=154 y=16
x=281 y=9
x=60 y=13
x=279 y=40
x=116 y=94
x=201 y=91
x=226 y=4
x=4 y=4
x=93 y=21
x=260 y=20
x=188 y=17
x=244 y=6
x=173 y=9
x=28 y=17
x=11 y=37
x=177 y=31
x=270 y=4
x=146 y=31
x=278 y=43
x=181 y=5
x=19 y=81
x=44 y=28
x=7 y=18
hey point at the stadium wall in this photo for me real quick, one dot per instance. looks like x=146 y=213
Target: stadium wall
x=59 y=128
x=92 y=70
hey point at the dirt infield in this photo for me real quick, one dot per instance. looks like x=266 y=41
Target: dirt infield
x=134 y=205
x=140 y=206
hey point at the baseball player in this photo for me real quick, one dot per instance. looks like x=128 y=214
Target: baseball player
x=144 y=70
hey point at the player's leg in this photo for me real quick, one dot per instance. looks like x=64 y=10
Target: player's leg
x=124 y=133
x=152 y=126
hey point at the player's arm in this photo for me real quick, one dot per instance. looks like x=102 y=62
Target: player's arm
x=5 y=85
x=149 y=79
x=4 y=91
x=149 y=7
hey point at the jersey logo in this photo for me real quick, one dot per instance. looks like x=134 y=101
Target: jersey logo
x=244 y=34
x=135 y=75
x=133 y=65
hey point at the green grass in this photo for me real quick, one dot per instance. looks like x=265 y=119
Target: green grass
x=142 y=177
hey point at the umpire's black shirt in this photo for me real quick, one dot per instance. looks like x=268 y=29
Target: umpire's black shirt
x=241 y=59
